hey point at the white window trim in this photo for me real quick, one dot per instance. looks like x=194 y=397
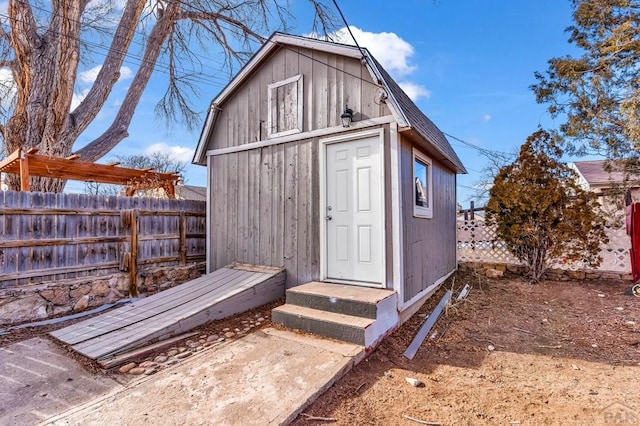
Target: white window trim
x=270 y=90
x=419 y=211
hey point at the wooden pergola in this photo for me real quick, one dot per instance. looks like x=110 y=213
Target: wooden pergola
x=29 y=163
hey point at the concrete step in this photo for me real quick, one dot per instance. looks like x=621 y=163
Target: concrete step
x=351 y=300
x=347 y=328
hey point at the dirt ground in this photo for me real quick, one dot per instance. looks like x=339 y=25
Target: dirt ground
x=511 y=353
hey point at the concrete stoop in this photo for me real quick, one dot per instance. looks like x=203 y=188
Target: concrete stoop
x=354 y=314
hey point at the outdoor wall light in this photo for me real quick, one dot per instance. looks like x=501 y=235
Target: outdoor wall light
x=346 y=116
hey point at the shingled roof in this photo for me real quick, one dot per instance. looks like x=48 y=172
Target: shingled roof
x=405 y=111
x=595 y=174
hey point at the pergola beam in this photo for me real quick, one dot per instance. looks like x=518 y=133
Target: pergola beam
x=27 y=164
x=25 y=182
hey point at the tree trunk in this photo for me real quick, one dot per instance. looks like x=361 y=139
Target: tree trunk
x=44 y=96
x=44 y=57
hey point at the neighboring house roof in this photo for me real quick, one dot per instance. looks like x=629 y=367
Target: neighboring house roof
x=595 y=175
x=190 y=192
x=404 y=110
x=182 y=192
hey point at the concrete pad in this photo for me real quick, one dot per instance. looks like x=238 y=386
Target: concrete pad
x=267 y=377
x=39 y=380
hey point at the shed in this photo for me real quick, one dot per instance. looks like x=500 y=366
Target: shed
x=369 y=203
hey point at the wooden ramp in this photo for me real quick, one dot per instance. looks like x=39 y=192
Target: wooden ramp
x=217 y=295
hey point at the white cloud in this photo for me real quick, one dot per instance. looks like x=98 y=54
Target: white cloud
x=486 y=118
x=388 y=48
x=414 y=91
x=176 y=152
x=8 y=89
x=78 y=98
x=125 y=73
x=391 y=51
x=90 y=75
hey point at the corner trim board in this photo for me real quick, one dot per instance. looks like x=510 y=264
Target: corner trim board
x=208 y=250
x=396 y=214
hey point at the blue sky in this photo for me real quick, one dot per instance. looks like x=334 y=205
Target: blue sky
x=467 y=64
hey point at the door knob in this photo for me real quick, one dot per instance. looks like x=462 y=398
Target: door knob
x=329 y=217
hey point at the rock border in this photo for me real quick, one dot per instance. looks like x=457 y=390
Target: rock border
x=57 y=298
x=175 y=354
x=498 y=270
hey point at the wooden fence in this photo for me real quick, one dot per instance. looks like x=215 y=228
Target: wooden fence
x=48 y=237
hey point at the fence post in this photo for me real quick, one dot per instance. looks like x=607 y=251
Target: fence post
x=133 y=266
x=183 y=238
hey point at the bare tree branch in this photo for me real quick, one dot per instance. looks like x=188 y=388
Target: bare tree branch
x=215 y=17
x=44 y=45
x=110 y=71
x=118 y=129
x=62 y=41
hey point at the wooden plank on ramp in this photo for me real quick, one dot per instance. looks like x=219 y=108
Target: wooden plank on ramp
x=217 y=295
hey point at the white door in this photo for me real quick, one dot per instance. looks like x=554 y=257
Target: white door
x=353 y=216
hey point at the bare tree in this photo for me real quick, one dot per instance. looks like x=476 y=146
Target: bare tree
x=43 y=43
x=160 y=162
x=105 y=189
x=487 y=176
x=497 y=160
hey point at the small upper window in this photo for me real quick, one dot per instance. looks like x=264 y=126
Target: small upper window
x=284 y=104
x=423 y=186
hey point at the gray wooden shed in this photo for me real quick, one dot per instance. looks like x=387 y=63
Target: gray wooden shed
x=370 y=205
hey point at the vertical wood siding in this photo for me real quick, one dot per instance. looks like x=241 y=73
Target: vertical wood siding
x=265 y=202
x=429 y=244
x=270 y=216
x=45 y=237
x=330 y=83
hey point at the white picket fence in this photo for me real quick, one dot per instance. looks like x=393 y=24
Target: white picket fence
x=477 y=242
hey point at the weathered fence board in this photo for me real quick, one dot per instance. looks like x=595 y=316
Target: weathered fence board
x=46 y=237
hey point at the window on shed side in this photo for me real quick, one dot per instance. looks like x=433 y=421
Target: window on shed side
x=285 y=107
x=422 y=185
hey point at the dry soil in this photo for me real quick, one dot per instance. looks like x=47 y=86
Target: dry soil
x=511 y=353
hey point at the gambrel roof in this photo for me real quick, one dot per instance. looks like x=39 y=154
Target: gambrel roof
x=404 y=110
